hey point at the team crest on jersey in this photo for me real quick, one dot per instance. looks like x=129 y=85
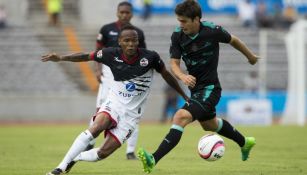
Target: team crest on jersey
x=144 y=62
x=99 y=54
x=130 y=87
x=113 y=33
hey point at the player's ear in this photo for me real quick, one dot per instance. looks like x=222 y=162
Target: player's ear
x=197 y=18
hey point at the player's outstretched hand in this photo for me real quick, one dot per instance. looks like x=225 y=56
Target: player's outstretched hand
x=254 y=59
x=51 y=57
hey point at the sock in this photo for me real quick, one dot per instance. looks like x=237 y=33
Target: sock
x=132 y=140
x=227 y=130
x=76 y=148
x=169 y=142
x=89 y=156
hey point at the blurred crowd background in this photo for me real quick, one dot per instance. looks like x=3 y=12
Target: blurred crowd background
x=34 y=91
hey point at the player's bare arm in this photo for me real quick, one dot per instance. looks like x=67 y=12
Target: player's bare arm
x=171 y=80
x=239 y=45
x=98 y=66
x=188 y=80
x=75 y=57
x=98 y=71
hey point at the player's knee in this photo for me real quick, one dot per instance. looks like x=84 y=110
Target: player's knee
x=95 y=131
x=209 y=125
x=182 y=118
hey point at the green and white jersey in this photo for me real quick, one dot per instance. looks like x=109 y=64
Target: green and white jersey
x=200 y=52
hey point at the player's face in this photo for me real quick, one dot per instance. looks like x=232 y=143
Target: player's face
x=188 y=26
x=124 y=14
x=129 y=41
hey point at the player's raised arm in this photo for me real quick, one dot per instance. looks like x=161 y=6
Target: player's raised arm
x=75 y=57
x=239 y=45
x=171 y=80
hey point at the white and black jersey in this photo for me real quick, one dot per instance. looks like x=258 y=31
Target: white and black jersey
x=108 y=37
x=132 y=78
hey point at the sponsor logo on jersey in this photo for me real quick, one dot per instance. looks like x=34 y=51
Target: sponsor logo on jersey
x=99 y=54
x=127 y=95
x=113 y=33
x=118 y=60
x=144 y=62
x=130 y=87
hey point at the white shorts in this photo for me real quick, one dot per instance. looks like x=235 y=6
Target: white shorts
x=103 y=91
x=124 y=121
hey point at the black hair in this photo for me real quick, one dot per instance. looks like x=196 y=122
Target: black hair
x=124 y=3
x=127 y=27
x=189 y=8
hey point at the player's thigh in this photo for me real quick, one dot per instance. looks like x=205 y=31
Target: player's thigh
x=102 y=122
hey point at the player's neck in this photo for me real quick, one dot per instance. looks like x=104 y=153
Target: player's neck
x=130 y=57
x=196 y=30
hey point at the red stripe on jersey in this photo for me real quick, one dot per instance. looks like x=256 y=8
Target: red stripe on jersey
x=92 y=55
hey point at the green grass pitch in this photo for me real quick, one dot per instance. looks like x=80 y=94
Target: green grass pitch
x=35 y=150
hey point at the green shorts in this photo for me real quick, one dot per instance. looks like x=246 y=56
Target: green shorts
x=203 y=102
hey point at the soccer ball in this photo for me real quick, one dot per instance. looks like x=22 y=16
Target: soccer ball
x=211 y=147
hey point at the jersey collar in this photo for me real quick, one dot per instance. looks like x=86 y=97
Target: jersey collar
x=118 y=24
x=131 y=61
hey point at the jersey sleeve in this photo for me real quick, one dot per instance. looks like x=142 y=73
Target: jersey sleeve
x=142 y=43
x=174 y=49
x=101 y=38
x=97 y=56
x=221 y=34
x=158 y=62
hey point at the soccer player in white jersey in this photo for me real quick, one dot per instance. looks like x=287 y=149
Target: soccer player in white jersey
x=108 y=37
x=133 y=69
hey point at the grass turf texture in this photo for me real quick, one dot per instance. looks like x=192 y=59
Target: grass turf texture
x=28 y=150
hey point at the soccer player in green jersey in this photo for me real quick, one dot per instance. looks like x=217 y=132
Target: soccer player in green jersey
x=196 y=42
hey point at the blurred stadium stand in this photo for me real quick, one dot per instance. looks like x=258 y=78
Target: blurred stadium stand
x=23 y=75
